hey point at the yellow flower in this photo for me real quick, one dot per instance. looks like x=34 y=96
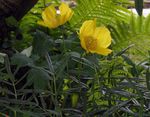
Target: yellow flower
x=53 y=17
x=95 y=39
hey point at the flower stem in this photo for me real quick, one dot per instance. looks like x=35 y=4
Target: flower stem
x=53 y=84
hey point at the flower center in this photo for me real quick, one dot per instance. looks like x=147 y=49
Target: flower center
x=90 y=43
x=57 y=10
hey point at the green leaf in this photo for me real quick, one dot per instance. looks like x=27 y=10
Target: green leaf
x=41 y=43
x=134 y=71
x=115 y=108
x=2 y=57
x=11 y=22
x=74 y=99
x=105 y=11
x=38 y=77
x=21 y=60
x=27 y=51
x=148 y=79
x=139 y=6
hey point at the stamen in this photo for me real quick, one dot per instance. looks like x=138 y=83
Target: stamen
x=91 y=43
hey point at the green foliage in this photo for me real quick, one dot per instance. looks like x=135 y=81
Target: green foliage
x=135 y=33
x=139 y=6
x=38 y=77
x=29 y=24
x=40 y=43
x=105 y=11
x=54 y=77
x=21 y=60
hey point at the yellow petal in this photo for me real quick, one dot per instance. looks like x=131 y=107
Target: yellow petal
x=66 y=17
x=52 y=20
x=65 y=13
x=53 y=24
x=61 y=19
x=63 y=8
x=82 y=42
x=42 y=23
x=49 y=13
x=87 y=28
x=49 y=25
x=95 y=39
x=69 y=14
x=49 y=17
x=102 y=51
x=103 y=36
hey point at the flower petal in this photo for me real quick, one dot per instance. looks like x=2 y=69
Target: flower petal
x=52 y=19
x=102 y=51
x=95 y=39
x=82 y=42
x=103 y=36
x=49 y=17
x=87 y=28
x=65 y=13
x=49 y=13
x=63 y=8
x=42 y=23
x=68 y=15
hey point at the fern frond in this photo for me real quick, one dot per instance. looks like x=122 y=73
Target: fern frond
x=135 y=32
x=107 y=12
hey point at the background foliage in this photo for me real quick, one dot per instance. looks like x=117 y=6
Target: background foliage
x=55 y=77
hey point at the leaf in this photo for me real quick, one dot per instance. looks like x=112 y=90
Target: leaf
x=134 y=71
x=115 y=108
x=74 y=99
x=2 y=57
x=39 y=78
x=75 y=54
x=32 y=114
x=27 y=51
x=41 y=43
x=124 y=50
x=11 y=22
x=21 y=60
x=53 y=112
x=139 y=6
x=148 y=79
x=105 y=11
